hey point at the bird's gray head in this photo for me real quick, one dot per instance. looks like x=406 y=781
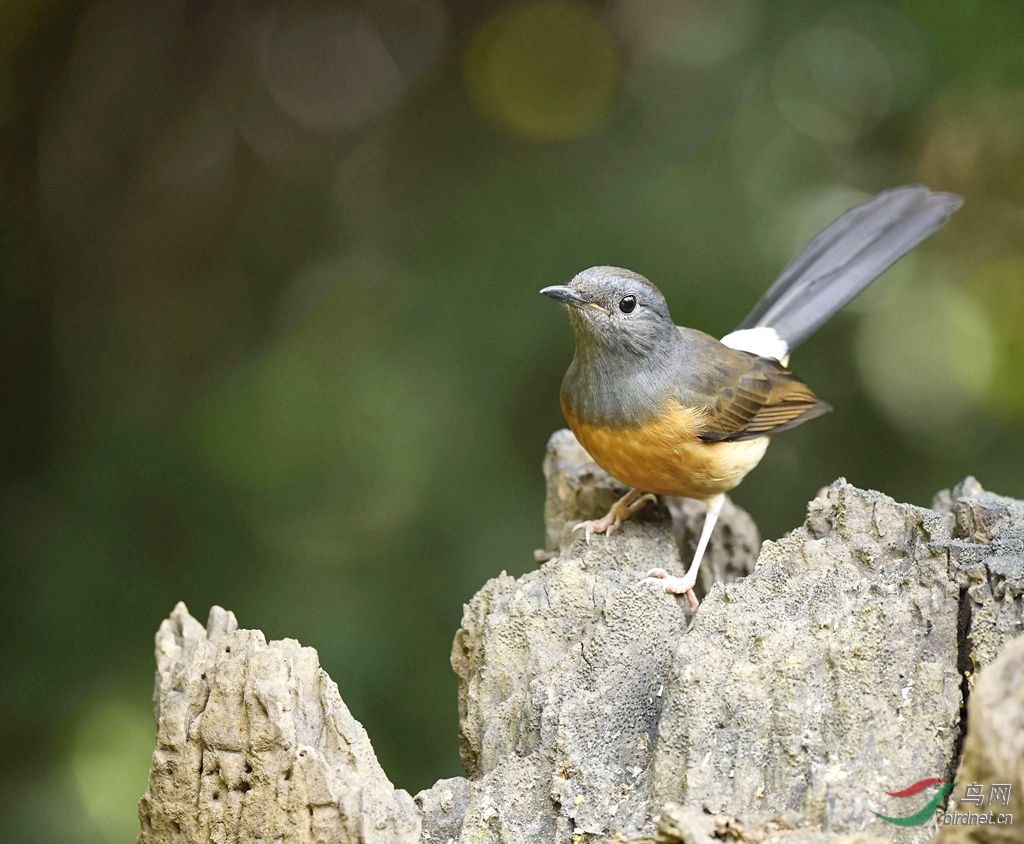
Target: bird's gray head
x=613 y=310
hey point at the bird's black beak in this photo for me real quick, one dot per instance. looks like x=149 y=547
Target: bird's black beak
x=565 y=294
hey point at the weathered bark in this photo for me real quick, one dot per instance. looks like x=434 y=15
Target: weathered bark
x=994 y=750
x=594 y=708
x=254 y=743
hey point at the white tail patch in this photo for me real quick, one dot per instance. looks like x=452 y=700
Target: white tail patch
x=763 y=341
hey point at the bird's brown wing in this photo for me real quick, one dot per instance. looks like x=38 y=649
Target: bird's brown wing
x=758 y=397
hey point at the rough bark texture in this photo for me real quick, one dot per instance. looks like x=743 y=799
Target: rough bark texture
x=255 y=744
x=595 y=708
x=988 y=554
x=994 y=750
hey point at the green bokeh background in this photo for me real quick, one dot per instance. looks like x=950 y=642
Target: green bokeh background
x=271 y=336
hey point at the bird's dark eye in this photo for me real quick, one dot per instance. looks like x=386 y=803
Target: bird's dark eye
x=628 y=304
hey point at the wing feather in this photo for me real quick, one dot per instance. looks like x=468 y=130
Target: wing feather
x=760 y=398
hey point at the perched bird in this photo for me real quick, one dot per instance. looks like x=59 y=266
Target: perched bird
x=669 y=410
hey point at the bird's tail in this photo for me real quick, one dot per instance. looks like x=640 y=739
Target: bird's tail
x=846 y=257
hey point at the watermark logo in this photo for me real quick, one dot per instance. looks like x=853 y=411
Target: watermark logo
x=998 y=795
x=928 y=811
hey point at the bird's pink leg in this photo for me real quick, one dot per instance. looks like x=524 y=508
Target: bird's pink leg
x=684 y=585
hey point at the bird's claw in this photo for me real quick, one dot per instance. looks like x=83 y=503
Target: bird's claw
x=606 y=525
x=613 y=519
x=674 y=585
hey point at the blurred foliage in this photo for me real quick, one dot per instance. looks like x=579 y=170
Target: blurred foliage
x=271 y=336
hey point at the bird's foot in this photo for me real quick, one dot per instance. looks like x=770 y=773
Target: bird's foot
x=674 y=585
x=621 y=510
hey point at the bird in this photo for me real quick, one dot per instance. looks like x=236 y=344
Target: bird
x=669 y=410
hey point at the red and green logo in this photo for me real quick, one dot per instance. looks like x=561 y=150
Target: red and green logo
x=928 y=811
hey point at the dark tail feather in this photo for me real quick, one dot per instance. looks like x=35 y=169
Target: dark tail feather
x=846 y=257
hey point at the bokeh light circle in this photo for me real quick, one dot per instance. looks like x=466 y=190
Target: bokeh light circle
x=545 y=70
x=697 y=35
x=999 y=287
x=327 y=67
x=927 y=359
x=833 y=84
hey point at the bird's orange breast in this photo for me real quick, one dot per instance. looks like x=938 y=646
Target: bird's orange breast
x=667 y=456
